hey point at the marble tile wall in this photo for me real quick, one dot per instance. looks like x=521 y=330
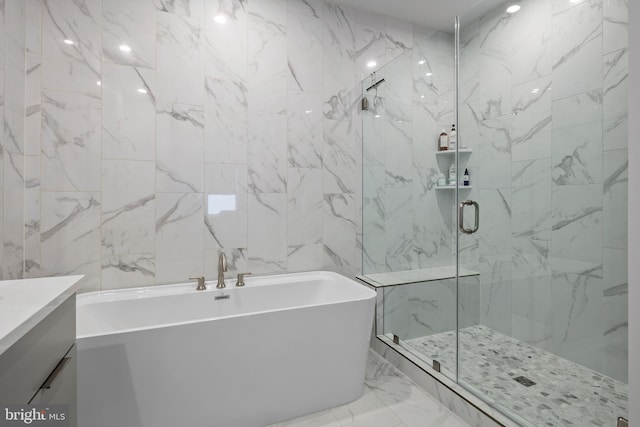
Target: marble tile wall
x=543 y=96
x=16 y=171
x=158 y=135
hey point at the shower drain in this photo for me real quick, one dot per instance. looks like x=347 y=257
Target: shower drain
x=524 y=381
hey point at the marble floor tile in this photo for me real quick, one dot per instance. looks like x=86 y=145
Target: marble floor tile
x=564 y=392
x=390 y=399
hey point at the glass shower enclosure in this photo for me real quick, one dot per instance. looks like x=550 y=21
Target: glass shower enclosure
x=513 y=285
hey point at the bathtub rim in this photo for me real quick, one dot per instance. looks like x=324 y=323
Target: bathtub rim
x=157 y=291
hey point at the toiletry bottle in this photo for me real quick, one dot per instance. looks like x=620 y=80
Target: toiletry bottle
x=443 y=144
x=453 y=138
x=465 y=179
x=442 y=181
x=452 y=174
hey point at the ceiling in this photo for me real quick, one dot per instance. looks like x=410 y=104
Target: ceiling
x=436 y=14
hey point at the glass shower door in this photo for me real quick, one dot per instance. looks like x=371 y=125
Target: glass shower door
x=541 y=106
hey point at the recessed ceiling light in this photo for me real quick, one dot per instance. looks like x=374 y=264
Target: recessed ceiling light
x=429 y=74
x=69 y=42
x=377 y=116
x=220 y=18
x=422 y=62
x=371 y=64
x=99 y=83
x=125 y=48
x=536 y=90
x=513 y=9
x=308 y=111
x=421 y=96
x=574 y=1
x=142 y=90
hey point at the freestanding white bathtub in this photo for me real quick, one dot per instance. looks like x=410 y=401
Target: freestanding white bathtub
x=280 y=347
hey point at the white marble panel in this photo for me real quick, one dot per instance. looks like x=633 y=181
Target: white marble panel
x=577 y=49
x=576 y=230
x=267 y=251
x=577 y=316
x=33 y=103
x=306 y=7
x=14 y=96
x=398 y=37
x=494 y=145
x=398 y=144
x=496 y=29
x=304 y=206
x=226 y=66
x=179 y=237
x=128 y=207
x=304 y=130
x=339 y=234
x=370 y=37
x=399 y=229
x=180 y=65
x=14 y=210
x=226 y=206
x=495 y=231
x=267 y=82
x=32 y=207
x=71 y=125
x=130 y=270
x=531 y=299
x=373 y=253
x=33 y=30
x=339 y=161
x=305 y=257
x=396 y=311
x=532 y=120
x=223 y=58
x=15 y=21
x=373 y=191
x=615 y=201
x=71 y=220
x=71 y=45
x=615 y=100
x=495 y=305
x=531 y=41
x=531 y=186
x=268 y=15
x=267 y=159
x=532 y=332
x=531 y=258
x=129 y=112
x=304 y=52
x=192 y=8
x=577 y=139
x=132 y=24
x=226 y=121
x=339 y=56
x=616 y=22
x=615 y=314
x=179 y=149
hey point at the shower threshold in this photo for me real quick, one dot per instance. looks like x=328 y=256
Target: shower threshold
x=526 y=381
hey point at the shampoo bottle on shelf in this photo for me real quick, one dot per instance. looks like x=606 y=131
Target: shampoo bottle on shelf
x=443 y=142
x=465 y=178
x=453 y=138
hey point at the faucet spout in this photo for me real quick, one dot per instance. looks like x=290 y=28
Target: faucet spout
x=222 y=267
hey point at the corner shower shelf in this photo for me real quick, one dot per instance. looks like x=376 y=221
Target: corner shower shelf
x=461 y=151
x=451 y=187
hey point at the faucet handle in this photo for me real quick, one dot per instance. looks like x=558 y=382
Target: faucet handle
x=240 y=281
x=201 y=286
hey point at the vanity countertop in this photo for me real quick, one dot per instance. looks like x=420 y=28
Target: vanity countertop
x=24 y=303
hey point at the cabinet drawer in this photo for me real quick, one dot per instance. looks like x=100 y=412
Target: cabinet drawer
x=28 y=363
x=60 y=387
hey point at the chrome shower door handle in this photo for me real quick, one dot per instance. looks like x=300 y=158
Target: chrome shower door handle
x=461 y=216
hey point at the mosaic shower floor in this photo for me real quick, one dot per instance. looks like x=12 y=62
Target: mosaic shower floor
x=564 y=393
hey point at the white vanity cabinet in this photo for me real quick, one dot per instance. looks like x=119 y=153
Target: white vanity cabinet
x=37 y=355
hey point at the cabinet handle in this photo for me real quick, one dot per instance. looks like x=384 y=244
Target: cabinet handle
x=56 y=373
